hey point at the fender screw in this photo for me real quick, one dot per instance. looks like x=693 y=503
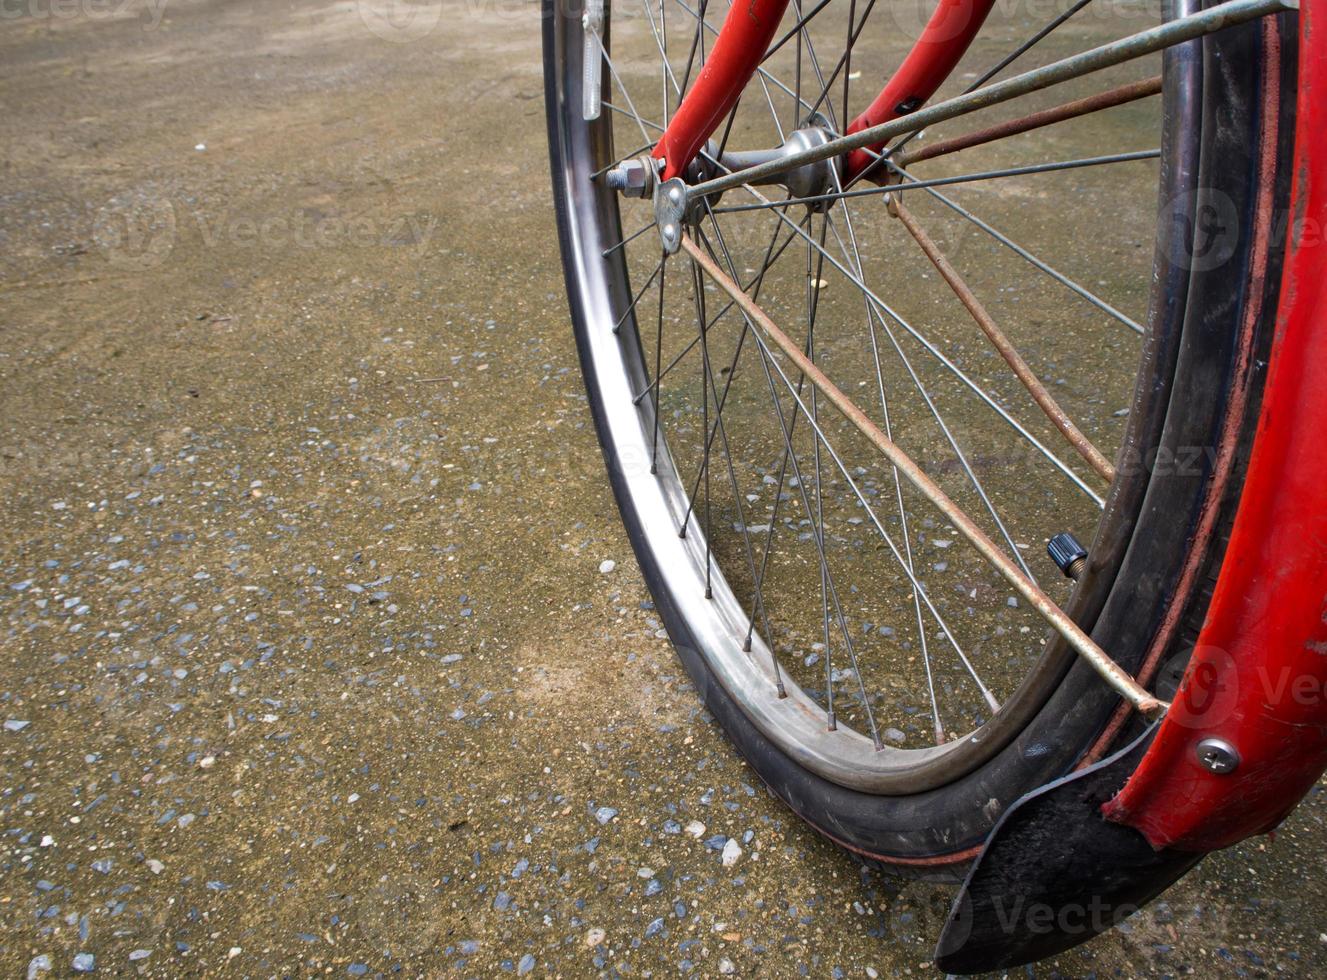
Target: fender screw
x=1218 y=756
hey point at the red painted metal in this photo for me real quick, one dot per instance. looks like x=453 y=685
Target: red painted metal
x=953 y=25
x=1258 y=677
x=746 y=35
x=741 y=44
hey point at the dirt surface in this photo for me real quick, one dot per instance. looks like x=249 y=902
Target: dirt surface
x=310 y=657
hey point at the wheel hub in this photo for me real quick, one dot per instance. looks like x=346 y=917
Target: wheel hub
x=674 y=204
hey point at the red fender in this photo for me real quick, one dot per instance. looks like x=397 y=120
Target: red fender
x=1258 y=676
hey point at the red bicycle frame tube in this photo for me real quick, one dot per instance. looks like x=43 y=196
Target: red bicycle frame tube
x=1258 y=676
x=953 y=25
x=741 y=45
x=743 y=39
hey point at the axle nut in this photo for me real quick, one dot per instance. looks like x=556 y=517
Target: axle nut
x=633 y=178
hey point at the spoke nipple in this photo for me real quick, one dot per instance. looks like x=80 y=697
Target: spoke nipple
x=709 y=593
x=746 y=645
x=1068 y=554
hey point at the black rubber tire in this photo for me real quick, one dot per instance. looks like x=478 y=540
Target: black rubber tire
x=1202 y=371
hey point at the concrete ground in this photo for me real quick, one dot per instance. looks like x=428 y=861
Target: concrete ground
x=308 y=661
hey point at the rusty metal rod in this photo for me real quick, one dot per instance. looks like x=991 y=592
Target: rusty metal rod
x=1046 y=117
x=1059 y=418
x=1111 y=672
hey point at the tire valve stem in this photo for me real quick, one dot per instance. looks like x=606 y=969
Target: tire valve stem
x=1068 y=554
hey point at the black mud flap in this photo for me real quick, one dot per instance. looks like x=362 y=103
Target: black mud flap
x=1054 y=874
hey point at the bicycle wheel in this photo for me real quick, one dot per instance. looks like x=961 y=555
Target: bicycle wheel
x=886 y=683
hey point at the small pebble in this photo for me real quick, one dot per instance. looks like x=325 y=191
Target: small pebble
x=606 y=566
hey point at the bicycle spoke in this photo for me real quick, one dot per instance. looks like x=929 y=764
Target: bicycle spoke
x=632 y=305
x=697 y=42
x=814 y=268
x=631 y=114
x=612 y=70
x=795 y=30
x=1026 y=46
x=628 y=240
x=820 y=76
x=662 y=44
x=844 y=58
x=698 y=291
x=658 y=357
x=847 y=60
